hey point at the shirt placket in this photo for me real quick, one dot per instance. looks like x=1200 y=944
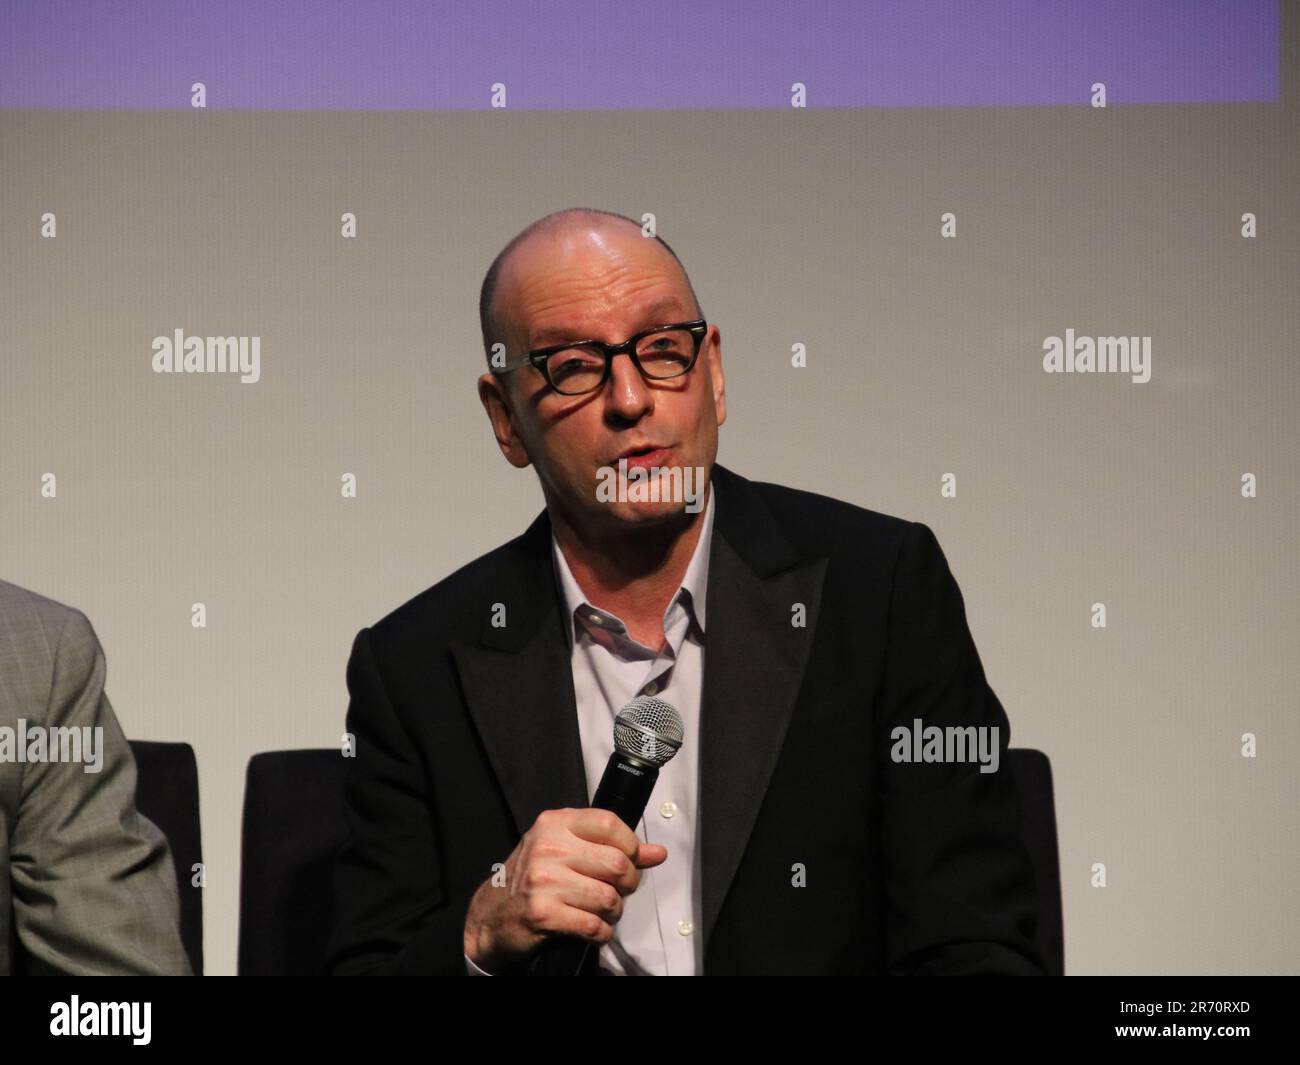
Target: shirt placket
x=664 y=822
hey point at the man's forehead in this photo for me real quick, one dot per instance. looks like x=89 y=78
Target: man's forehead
x=662 y=310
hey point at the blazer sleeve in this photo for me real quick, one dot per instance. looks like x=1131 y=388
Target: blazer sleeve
x=960 y=889
x=392 y=916
x=94 y=887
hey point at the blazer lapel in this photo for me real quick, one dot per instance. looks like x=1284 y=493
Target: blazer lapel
x=519 y=684
x=754 y=661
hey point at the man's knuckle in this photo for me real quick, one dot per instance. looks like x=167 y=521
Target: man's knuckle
x=538 y=914
x=548 y=848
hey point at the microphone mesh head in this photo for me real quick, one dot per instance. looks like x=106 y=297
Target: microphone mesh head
x=649 y=729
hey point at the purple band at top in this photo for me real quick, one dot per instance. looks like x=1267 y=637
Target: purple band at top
x=661 y=54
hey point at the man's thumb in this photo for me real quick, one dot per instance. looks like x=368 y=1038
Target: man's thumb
x=649 y=854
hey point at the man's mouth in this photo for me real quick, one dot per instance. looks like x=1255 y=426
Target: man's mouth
x=646 y=455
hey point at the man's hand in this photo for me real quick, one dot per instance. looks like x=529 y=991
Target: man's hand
x=567 y=876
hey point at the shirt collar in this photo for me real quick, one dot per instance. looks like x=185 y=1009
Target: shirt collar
x=695 y=582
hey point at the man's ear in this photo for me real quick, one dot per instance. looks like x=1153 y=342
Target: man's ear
x=716 y=380
x=493 y=392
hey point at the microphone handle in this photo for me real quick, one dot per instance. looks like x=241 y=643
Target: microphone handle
x=625 y=790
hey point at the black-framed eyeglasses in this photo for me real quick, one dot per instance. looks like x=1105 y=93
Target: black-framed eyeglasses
x=580 y=366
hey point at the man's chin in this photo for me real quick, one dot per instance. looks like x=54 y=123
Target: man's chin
x=644 y=515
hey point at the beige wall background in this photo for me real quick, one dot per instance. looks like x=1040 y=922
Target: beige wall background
x=814 y=227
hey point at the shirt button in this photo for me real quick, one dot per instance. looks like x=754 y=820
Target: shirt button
x=685 y=927
x=650 y=689
x=594 y=618
x=667 y=809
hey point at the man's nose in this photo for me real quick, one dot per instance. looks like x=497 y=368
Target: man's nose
x=628 y=394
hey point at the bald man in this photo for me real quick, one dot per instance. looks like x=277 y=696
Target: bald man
x=804 y=641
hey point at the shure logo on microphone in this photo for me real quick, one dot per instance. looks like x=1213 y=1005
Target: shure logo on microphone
x=102 y=1018
x=181 y=354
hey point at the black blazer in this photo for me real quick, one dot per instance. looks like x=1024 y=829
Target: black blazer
x=465 y=732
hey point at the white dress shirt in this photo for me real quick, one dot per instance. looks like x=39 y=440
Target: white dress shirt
x=659 y=931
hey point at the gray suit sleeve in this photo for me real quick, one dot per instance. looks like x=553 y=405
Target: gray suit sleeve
x=94 y=888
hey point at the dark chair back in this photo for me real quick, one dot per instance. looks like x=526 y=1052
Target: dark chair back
x=1033 y=775
x=293 y=829
x=167 y=793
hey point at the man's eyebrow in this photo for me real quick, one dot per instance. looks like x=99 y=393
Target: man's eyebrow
x=652 y=315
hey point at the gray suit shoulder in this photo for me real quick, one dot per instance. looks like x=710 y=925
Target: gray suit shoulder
x=41 y=642
x=22 y=609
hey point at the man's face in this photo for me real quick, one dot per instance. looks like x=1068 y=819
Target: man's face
x=601 y=283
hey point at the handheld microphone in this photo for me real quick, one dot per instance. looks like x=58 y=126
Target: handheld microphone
x=647 y=733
